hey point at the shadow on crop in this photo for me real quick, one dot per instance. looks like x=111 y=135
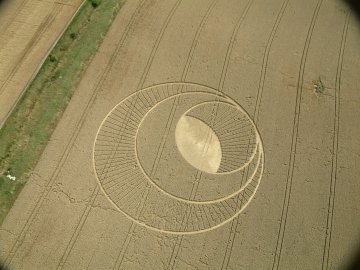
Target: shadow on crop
x=355 y=260
x=2 y=266
x=354 y=5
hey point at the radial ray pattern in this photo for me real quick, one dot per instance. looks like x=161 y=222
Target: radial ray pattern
x=143 y=173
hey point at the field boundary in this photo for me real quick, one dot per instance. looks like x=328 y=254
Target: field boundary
x=34 y=211
x=41 y=64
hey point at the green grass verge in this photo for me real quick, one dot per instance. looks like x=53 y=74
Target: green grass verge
x=26 y=132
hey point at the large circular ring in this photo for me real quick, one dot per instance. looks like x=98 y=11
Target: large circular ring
x=179 y=158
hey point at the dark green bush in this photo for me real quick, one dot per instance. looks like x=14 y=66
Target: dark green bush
x=52 y=58
x=73 y=35
x=95 y=3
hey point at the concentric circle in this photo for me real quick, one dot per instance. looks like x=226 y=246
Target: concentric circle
x=179 y=158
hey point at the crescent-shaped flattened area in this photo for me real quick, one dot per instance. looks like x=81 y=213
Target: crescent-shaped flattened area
x=198 y=144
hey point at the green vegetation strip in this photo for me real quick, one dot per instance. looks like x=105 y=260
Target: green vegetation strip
x=27 y=131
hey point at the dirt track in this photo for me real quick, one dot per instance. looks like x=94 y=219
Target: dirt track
x=267 y=58
x=27 y=31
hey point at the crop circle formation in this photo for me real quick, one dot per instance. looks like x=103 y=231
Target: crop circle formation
x=179 y=158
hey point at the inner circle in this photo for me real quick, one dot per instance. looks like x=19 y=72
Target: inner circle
x=220 y=131
x=158 y=141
